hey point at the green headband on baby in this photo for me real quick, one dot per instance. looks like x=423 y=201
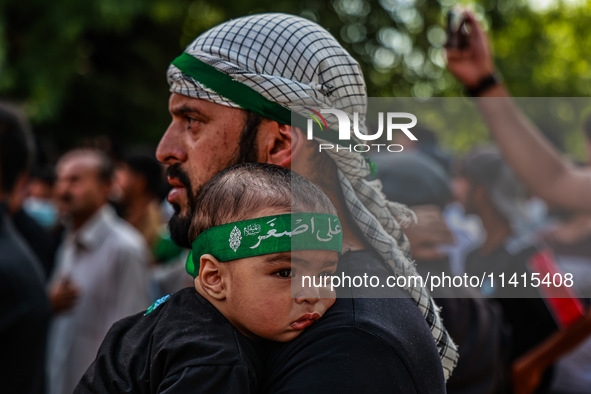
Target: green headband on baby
x=269 y=234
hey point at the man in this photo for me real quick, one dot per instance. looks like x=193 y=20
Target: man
x=273 y=65
x=35 y=235
x=532 y=157
x=100 y=273
x=496 y=196
x=24 y=307
x=475 y=323
x=537 y=163
x=140 y=179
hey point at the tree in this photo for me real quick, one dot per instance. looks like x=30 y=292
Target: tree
x=84 y=69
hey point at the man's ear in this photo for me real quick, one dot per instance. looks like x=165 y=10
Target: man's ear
x=278 y=143
x=210 y=277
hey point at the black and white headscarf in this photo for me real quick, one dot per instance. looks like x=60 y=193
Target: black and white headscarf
x=292 y=64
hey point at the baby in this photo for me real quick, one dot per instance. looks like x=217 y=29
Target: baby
x=257 y=230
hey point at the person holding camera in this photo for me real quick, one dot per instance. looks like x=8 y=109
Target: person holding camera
x=535 y=161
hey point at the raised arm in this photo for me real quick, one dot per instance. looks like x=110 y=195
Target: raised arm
x=532 y=157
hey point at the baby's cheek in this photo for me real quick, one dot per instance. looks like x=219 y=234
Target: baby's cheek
x=329 y=302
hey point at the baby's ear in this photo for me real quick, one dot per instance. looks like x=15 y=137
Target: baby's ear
x=211 y=278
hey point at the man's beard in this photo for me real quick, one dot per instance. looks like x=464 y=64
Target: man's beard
x=179 y=224
x=247 y=152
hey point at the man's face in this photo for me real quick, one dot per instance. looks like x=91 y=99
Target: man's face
x=468 y=194
x=79 y=190
x=202 y=139
x=129 y=183
x=259 y=298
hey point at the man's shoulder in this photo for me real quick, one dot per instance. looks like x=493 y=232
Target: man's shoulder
x=385 y=340
x=124 y=235
x=365 y=345
x=394 y=316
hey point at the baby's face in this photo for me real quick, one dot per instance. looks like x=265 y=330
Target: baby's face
x=259 y=297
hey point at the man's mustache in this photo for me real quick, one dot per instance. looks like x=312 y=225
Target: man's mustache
x=65 y=198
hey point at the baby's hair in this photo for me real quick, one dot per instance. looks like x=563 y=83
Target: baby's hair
x=244 y=190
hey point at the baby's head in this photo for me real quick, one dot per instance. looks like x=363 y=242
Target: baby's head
x=257 y=228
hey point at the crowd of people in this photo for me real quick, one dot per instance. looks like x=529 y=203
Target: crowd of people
x=96 y=237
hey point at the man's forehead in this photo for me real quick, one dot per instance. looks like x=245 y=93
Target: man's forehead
x=78 y=165
x=179 y=103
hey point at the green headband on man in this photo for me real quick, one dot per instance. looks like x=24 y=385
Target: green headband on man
x=266 y=235
x=249 y=99
x=243 y=95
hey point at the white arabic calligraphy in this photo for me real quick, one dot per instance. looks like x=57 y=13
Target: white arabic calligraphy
x=300 y=230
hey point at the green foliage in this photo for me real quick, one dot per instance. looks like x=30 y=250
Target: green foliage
x=84 y=69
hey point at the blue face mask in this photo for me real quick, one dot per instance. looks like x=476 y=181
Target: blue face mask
x=42 y=210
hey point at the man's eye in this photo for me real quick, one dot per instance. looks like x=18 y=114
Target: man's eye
x=191 y=120
x=284 y=273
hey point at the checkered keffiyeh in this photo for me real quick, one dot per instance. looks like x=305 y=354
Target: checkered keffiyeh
x=297 y=64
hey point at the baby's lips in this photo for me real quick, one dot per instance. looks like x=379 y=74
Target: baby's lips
x=305 y=321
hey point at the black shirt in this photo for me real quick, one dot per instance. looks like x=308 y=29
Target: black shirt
x=526 y=313
x=24 y=314
x=37 y=238
x=361 y=345
x=477 y=327
x=184 y=345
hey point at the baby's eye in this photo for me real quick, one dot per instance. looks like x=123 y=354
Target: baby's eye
x=284 y=273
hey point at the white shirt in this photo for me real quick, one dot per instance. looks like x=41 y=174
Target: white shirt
x=106 y=259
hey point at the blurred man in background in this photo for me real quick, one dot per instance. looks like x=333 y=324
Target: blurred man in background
x=24 y=307
x=141 y=183
x=474 y=323
x=140 y=179
x=100 y=273
x=539 y=165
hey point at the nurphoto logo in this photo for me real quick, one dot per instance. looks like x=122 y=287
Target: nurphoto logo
x=392 y=124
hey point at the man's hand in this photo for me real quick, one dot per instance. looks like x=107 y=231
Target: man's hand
x=473 y=63
x=63 y=296
x=428 y=234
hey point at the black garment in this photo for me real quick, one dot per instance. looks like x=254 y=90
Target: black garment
x=529 y=318
x=360 y=345
x=24 y=314
x=477 y=326
x=185 y=345
x=37 y=238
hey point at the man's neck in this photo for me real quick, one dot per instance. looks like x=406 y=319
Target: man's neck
x=352 y=237
x=80 y=220
x=497 y=229
x=322 y=171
